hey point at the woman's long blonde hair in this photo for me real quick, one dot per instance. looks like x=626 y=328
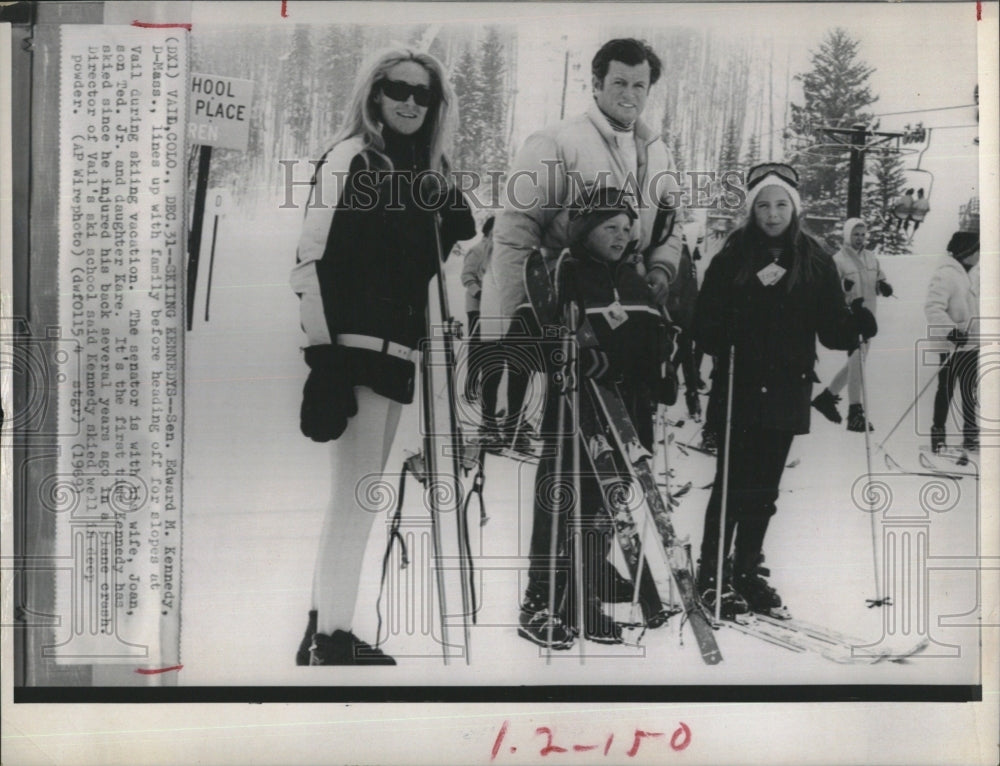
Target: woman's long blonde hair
x=363 y=112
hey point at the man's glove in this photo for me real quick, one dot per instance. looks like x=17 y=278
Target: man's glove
x=328 y=396
x=848 y=285
x=864 y=320
x=884 y=288
x=958 y=337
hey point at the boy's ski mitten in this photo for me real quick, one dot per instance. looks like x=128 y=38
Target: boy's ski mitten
x=328 y=396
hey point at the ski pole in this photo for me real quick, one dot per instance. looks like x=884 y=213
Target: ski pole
x=574 y=397
x=862 y=353
x=913 y=404
x=725 y=486
x=467 y=572
x=430 y=474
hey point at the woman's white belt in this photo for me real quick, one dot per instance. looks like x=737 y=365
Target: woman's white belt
x=370 y=342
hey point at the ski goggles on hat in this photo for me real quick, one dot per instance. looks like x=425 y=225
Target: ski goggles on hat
x=603 y=200
x=398 y=90
x=785 y=172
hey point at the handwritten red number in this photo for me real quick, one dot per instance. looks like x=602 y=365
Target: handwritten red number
x=499 y=740
x=607 y=745
x=681 y=738
x=639 y=734
x=549 y=747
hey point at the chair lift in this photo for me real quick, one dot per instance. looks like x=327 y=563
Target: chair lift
x=922 y=180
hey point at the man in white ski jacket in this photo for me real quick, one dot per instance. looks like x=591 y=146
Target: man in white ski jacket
x=952 y=311
x=607 y=145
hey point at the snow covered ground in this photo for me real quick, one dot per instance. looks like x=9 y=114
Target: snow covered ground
x=255 y=489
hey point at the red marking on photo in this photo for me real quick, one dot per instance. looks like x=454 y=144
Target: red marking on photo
x=154 y=671
x=496 y=745
x=284 y=9
x=151 y=25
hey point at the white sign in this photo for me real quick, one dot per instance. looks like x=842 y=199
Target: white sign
x=219 y=111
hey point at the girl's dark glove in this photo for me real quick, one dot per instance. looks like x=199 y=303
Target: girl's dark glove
x=884 y=288
x=864 y=320
x=328 y=397
x=667 y=386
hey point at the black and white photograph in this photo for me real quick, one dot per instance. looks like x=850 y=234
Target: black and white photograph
x=429 y=382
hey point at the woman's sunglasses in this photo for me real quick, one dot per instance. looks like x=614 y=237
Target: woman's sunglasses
x=785 y=172
x=398 y=90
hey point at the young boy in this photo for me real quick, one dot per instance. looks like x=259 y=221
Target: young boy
x=616 y=303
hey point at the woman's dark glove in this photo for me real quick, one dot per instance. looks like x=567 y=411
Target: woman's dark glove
x=848 y=284
x=884 y=288
x=864 y=320
x=328 y=397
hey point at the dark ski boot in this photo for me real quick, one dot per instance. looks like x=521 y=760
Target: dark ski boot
x=597 y=626
x=856 y=419
x=302 y=655
x=709 y=442
x=733 y=604
x=937 y=439
x=535 y=623
x=693 y=404
x=970 y=442
x=758 y=593
x=826 y=405
x=344 y=648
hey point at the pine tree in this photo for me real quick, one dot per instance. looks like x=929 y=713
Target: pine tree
x=836 y=94
x=884 y=185
x=752 y=157
x=492 y=106
x=468 y=136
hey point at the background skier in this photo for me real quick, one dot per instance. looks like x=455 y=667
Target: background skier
x=952 y=308
x=861 y=277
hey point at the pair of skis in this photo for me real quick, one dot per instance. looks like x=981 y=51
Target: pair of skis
x=621 y=463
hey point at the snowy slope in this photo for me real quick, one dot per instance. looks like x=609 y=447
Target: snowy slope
x=255 y=489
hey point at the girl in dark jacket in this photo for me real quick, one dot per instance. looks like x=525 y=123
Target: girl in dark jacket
x=365 y=257
x=768 y=294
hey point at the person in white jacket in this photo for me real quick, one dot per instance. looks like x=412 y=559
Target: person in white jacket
x=608 y=145
x=861 y=277
x=952 y=309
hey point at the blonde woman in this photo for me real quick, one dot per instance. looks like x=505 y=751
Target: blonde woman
x=365 y=257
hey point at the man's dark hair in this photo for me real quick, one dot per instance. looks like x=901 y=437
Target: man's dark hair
x=630 y=52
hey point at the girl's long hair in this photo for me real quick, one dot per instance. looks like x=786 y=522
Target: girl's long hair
x=363 y=117
x=749 y=240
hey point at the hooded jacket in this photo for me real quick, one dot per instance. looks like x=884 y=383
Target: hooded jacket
x=545 y=178
x=860 y=268
x=952 y=303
